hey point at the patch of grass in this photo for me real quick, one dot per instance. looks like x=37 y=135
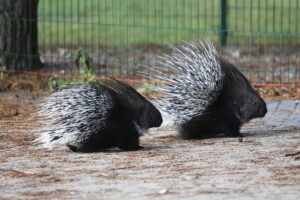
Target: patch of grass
x=123 y=22
x=3 y=74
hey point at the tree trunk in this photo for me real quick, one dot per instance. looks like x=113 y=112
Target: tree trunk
x=18 y=34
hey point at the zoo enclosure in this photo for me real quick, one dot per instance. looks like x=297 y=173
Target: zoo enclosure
x=261 y=37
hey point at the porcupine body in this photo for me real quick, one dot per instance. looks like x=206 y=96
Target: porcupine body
x=205 y=96
x=93 y=117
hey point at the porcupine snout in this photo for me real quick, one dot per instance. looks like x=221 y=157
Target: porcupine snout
x=249 y=105
x=151 y=117
x=157 y=118
x=261 y=108
x=256 y=108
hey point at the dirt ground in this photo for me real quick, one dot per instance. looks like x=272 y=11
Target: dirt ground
x=263 y=165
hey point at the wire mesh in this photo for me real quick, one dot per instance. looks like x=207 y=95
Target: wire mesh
x=261 y=37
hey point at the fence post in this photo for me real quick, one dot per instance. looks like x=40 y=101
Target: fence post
x=223 y=28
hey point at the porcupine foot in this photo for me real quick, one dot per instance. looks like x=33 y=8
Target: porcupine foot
x=129 y=139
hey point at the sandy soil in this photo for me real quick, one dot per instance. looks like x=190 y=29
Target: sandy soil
x=263 y=165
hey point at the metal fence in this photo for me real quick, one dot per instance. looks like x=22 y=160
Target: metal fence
x=261 y=37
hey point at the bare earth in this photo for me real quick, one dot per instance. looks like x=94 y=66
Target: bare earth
x=263 y=165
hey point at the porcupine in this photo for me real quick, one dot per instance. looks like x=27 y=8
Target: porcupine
x=205 y=96
x=92 y=117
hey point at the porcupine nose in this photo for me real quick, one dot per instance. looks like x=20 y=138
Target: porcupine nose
x=262 y=109
x=157 y=119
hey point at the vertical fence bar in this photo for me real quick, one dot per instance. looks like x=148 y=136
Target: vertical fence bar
x=298 y=36
x=223 y=28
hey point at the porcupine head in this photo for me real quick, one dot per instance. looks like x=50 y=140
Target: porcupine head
x=147 y=116
x=243 y=100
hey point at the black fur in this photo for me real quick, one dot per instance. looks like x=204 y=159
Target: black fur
x=237 y=103
x=129 y=108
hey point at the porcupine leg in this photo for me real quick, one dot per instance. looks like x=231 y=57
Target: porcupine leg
x=214 y=124
x=205 y=132
x=197 y=129
x=72 y=147
x=231 y=127
x=126 y=137
x=226 y=124
x=233 y=130
x=94 y=144
x=129 y=138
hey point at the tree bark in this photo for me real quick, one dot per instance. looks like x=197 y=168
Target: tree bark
x=19 y=34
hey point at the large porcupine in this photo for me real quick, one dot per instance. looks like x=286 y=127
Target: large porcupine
x=205 y=96
x=92 y=117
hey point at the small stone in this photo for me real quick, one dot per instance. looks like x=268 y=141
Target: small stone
x=163 y=191
x=236 y=54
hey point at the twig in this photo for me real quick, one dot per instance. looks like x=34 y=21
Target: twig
x=292 y=154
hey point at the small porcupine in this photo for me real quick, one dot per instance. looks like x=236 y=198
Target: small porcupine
x=92 y=117
x=205 y=96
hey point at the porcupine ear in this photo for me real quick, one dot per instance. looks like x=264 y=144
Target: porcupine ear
x=191 y=80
